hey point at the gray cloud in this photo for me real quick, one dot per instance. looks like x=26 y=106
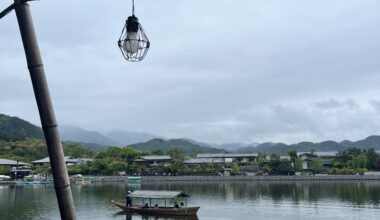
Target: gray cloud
x=244 y=71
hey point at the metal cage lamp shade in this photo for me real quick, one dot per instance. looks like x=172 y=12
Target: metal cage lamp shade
x=133 y=42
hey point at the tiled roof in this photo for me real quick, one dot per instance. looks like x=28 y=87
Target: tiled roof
x=321 y=153
x=226 y=155
x=203 y=160
x=163 y=157
x=10 y=162
x=67 y=160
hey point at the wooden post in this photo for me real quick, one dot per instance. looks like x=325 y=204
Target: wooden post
x=46 y=111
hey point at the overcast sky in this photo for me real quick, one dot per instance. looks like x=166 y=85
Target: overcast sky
x=217 y=71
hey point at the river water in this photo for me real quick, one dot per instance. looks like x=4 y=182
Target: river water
x=218 y=200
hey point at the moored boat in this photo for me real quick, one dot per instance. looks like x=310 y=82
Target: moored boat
x=147 y=208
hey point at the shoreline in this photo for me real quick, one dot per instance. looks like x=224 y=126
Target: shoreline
x=258 y=178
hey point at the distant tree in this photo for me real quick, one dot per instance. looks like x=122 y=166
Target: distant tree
x=261 y=159
x=4 y=170
x=116 y=167
x=298 y=164
x=177 y=160
x=132 y=167
x=235 y=168
x=373 y=159
x=77 y=151
x=277 y=167
x=98 y=166
x=344 y=157
x=45 y=169
x=293 y=155
x=79 y=169
x=113 y=152
x=157 y=152
x=129 y=155
x=316 y=165
x=360 y=161
x=101 y=155
x=274 y=156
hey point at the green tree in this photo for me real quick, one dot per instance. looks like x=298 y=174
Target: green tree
x=113 y=152
x=158 y=152
x=116 y=167
x=274 y=156
x=344 y=157
x=4 y=170
x=293 y=155
x=360 y=161
x=316 y=165
x=129 y=155
x=277 y=167
x=373 y=159
x=77 y=151
x=177 y=160
x=298 y=164
x=98 y=166
x=235 y=168
x=261 y=159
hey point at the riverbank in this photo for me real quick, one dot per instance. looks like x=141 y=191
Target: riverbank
x=7 y=182
x=258 y=178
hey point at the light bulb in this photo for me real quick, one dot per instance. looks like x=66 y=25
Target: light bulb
x=131 y=44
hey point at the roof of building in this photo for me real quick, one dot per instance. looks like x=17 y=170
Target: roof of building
x=67 y=160
x=226 y=155
x=11 y=162
x=86 y=159
x=321 y=153
x=203 y=160
x=285 y=158
x=150 y=194
x=155 y=157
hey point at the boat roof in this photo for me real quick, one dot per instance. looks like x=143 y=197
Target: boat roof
x=150 y=194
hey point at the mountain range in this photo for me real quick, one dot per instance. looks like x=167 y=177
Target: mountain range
x=118 y=138
x=14 y=128
x=369 y=142
x=186 y=147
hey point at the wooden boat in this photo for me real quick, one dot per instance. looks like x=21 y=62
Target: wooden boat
x=158 y=210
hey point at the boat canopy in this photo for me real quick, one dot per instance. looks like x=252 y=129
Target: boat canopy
x=150 y=194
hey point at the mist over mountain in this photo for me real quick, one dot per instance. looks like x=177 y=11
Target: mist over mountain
x=14 y=128
x=166 y=145
x=128 y=137
x=77 y=134
x=231 y=147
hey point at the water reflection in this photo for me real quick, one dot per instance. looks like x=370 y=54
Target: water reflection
x=129 y=216
x=218 y=200
x=354 y=192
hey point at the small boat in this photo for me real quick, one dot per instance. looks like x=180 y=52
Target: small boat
x=158 y=210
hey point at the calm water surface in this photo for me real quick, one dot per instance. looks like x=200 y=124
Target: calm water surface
x=218 y=200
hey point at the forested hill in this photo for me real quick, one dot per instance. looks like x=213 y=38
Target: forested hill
x=369 y=142
x=166 y=145
x=13 y=128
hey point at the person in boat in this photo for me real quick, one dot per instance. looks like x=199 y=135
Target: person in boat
x=128 y=199
x=176 y=206
x=146 y=205
x=182 y=205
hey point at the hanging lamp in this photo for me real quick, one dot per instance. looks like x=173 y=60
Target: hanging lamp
x=133 y=42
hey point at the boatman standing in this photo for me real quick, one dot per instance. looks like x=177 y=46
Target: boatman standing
x=128 y=199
